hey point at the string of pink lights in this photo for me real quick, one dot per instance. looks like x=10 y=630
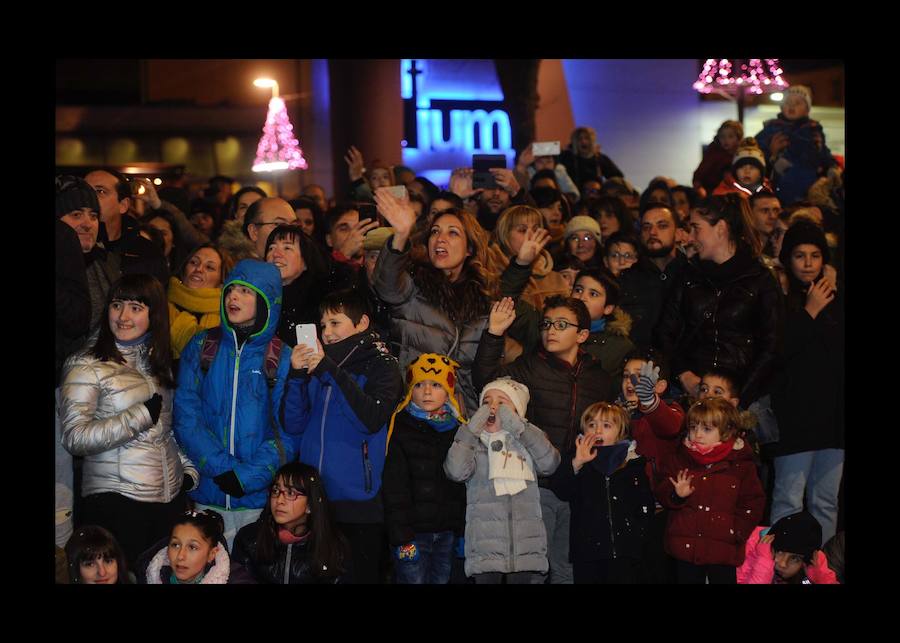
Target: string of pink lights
x=278 y=148
x=753 y=77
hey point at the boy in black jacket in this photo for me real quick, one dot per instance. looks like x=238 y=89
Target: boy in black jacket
x=564 y=380
x=336 y=406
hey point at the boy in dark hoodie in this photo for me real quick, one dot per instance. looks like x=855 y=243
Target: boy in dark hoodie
x=337 y=404
x=424 y=510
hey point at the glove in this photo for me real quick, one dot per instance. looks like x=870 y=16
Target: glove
x=645 y=384
x=819 y=572
x=408 y=552
x=188 y=483
x=460 y=549
x=154 y=407
x=477 y=421
x=229 y=483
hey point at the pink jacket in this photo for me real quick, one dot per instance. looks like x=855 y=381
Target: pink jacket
x=759 y=564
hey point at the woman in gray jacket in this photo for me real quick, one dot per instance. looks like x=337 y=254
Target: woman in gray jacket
x=116 y=412
x=499 y=455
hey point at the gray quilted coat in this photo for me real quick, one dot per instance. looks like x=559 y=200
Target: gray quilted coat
x=503 y=533
x=104 y=419
x=419 y=327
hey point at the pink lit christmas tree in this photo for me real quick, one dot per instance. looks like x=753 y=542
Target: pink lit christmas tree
x=737 y=78
x=278 y=148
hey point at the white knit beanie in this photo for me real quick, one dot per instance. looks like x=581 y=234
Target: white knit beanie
x=801 y=90
x=516 y=391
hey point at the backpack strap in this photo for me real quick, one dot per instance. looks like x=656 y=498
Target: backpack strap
x=273 y=356
x=209 y=348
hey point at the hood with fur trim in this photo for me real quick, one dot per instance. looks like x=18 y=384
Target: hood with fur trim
x=217 y=575
x=233 y=240
x=620 y=324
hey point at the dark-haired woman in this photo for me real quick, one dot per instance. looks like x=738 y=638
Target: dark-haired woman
x=306 y=278
x=295 y=541
x=116 y=411
x=442 y=304
x=727 y=310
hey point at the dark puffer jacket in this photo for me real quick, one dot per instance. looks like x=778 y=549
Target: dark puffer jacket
x=559 y=392
x=645 y=289
x=290 y=564
x=418 y=496
x=611 y=345
x=712 y=525
x=725 y=316
x=610 y=514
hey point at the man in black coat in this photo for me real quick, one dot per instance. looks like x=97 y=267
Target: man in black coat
x=647 y=284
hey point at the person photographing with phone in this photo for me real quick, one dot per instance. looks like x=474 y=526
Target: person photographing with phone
x=338 y=401
x=491 y=188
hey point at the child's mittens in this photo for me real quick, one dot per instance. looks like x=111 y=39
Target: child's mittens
x=510 y=421
x=478 y=421
x=645 y=384
x=406 y=553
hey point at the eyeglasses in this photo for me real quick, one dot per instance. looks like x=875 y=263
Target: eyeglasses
x=558 y=324
x=581 y=237
x=290 y=493
x=625 y=256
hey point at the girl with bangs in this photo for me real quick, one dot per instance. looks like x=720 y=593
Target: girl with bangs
x=295 y=541
x=95 y=558
x=716 y=500
x=605 y=482
x=116 y=412
x=441 y=305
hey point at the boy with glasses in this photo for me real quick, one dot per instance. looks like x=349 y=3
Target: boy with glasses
x=563 y=380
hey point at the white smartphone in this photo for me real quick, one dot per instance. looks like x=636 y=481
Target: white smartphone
x=546 y=148
x=306 y=335
x=397 y=191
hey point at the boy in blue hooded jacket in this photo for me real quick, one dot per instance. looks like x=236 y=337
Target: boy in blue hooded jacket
x=337 y=404
x=227 y=418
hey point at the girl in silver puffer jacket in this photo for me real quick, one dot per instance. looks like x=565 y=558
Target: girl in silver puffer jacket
x=116 y=412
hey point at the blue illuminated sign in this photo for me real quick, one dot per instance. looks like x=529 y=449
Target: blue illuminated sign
x=452 y=109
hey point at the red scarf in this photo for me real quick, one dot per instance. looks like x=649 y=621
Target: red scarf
x=708 y=455
x=288 y=538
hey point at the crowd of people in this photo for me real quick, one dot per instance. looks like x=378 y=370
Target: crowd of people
x=554 y=379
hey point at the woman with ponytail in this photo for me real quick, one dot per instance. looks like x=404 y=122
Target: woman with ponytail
x=728 y=308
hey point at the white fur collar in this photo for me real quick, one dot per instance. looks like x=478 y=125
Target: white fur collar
x=218 y=575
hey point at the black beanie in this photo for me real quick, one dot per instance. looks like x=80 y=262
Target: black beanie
x=72 y=194
x=798 y=533
x=799 y=233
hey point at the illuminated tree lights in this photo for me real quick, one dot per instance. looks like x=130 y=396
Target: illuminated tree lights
x=278 y=148
x=750 y=76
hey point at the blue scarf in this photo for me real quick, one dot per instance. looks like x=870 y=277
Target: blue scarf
x=598 y=324
x=134 y=342
x=610 y=458
x=440 y=420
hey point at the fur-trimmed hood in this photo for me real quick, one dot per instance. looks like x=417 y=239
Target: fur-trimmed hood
x=620 y=324
x=217 y=575
x=233 y=240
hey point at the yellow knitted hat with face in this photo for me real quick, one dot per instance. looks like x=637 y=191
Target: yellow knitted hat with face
x=434 y=367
